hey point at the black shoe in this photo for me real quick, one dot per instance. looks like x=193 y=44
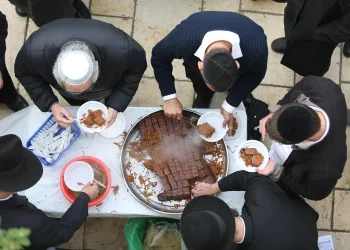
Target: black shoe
x=346 y=49
x=200 y=103
x=21 y=12
x=82 y=11
x=279 y=45
x=18 y=104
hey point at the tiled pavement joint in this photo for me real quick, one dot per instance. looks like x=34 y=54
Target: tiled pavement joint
x=332 y=214
x=202 y=5
x=240 y=6
x=341 y=64
x=342 y=189
x=345 y=82
x=153 y=78
x=260 y=12
x=123 y=17
x=273 y=85
x=134 y=17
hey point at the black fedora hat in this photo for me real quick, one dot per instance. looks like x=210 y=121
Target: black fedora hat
x=207 y=223
x=19 y=168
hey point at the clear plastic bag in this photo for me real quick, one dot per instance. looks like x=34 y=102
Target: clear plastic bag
x=162 y=236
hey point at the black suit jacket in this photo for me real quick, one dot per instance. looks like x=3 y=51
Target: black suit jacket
x=45 y=231
x=121 y=61
x=314 y=28
x=273 y=219
x=3 y=35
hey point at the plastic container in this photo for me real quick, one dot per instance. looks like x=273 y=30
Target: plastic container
x=46 y=126
x=91 y=160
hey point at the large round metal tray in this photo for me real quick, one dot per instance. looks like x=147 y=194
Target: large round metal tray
x=169 y=207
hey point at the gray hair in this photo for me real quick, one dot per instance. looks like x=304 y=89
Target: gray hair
x=75 y=46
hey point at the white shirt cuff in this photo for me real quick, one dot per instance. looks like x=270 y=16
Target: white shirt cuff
x=168 y=97
x=243 y=231
x=228 y=107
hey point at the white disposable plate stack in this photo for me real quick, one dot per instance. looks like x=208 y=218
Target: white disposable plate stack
x=93 y=105
x=215 y=120
x=116 y=128
x=77 y=175
x=259 y=147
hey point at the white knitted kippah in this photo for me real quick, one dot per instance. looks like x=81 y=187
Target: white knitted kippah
x=75 y=67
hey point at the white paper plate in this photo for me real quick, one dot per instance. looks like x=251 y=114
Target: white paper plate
x=259 y=147
x=215 y=120
x=78 y=172
x=93 y=105
x=116 y=128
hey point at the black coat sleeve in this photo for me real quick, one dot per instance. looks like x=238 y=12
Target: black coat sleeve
x=339 y=30
x=51 y=232
x=242 y=181
x=312 y=190
x=179 y=42
x=246 y=83
x=3 y=35
x=39 y=90
x=124 y=91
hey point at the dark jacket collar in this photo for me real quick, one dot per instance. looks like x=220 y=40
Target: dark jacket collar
x=14 y=202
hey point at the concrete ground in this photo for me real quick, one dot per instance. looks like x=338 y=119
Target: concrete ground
x=148 y=21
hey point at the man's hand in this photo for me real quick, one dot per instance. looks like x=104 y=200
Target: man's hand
x=61 y=115
x=112 y=115
x=91 y=189
x=262 y=124
x=1 y=81
x=202 y=188
x=228 y=120
x=268 y=169
x=173 y=108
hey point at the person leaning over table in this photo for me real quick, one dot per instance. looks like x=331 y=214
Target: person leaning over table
x=8 y=92
x=20 y=170
x=270 y=219
x=84 y=60
x=309 y=150
x=221 y=51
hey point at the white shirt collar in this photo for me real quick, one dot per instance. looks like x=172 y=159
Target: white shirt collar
x=7 y=198
x=220 y=35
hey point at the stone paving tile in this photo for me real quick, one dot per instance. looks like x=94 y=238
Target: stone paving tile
x=341 y=217
x=15 y=38
x=324 y=209
x=104 y=233
x=148 y=94
x=123 y=8
x=4 y=111
x=270 y=94
x=341 y=241
x=344 y=181
x=77 y=241
x=263 y=6
x=345 y=73
x=276 y=74
x=333 y=72
x=148 y=31
x=124 y=24
x=222 y=5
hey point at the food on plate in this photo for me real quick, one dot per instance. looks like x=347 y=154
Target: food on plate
x=98 y=176
x=206 y=130
x=235 y=126
x=251 y=157
x=50 y=144
x=175 y=157
x=93 y=118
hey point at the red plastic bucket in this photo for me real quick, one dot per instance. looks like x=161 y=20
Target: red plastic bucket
x=91 y=160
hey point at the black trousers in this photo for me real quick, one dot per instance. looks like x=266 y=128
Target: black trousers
x=45 y=11
x=200 y=87
x=8 y=92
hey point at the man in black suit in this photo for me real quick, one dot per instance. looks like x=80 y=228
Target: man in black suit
x=271 y=219
x=20 y=170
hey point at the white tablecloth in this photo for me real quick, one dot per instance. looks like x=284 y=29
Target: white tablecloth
x=47 y=195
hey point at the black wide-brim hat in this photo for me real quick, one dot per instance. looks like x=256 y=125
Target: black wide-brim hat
x=219 y=207
x=19 y=167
